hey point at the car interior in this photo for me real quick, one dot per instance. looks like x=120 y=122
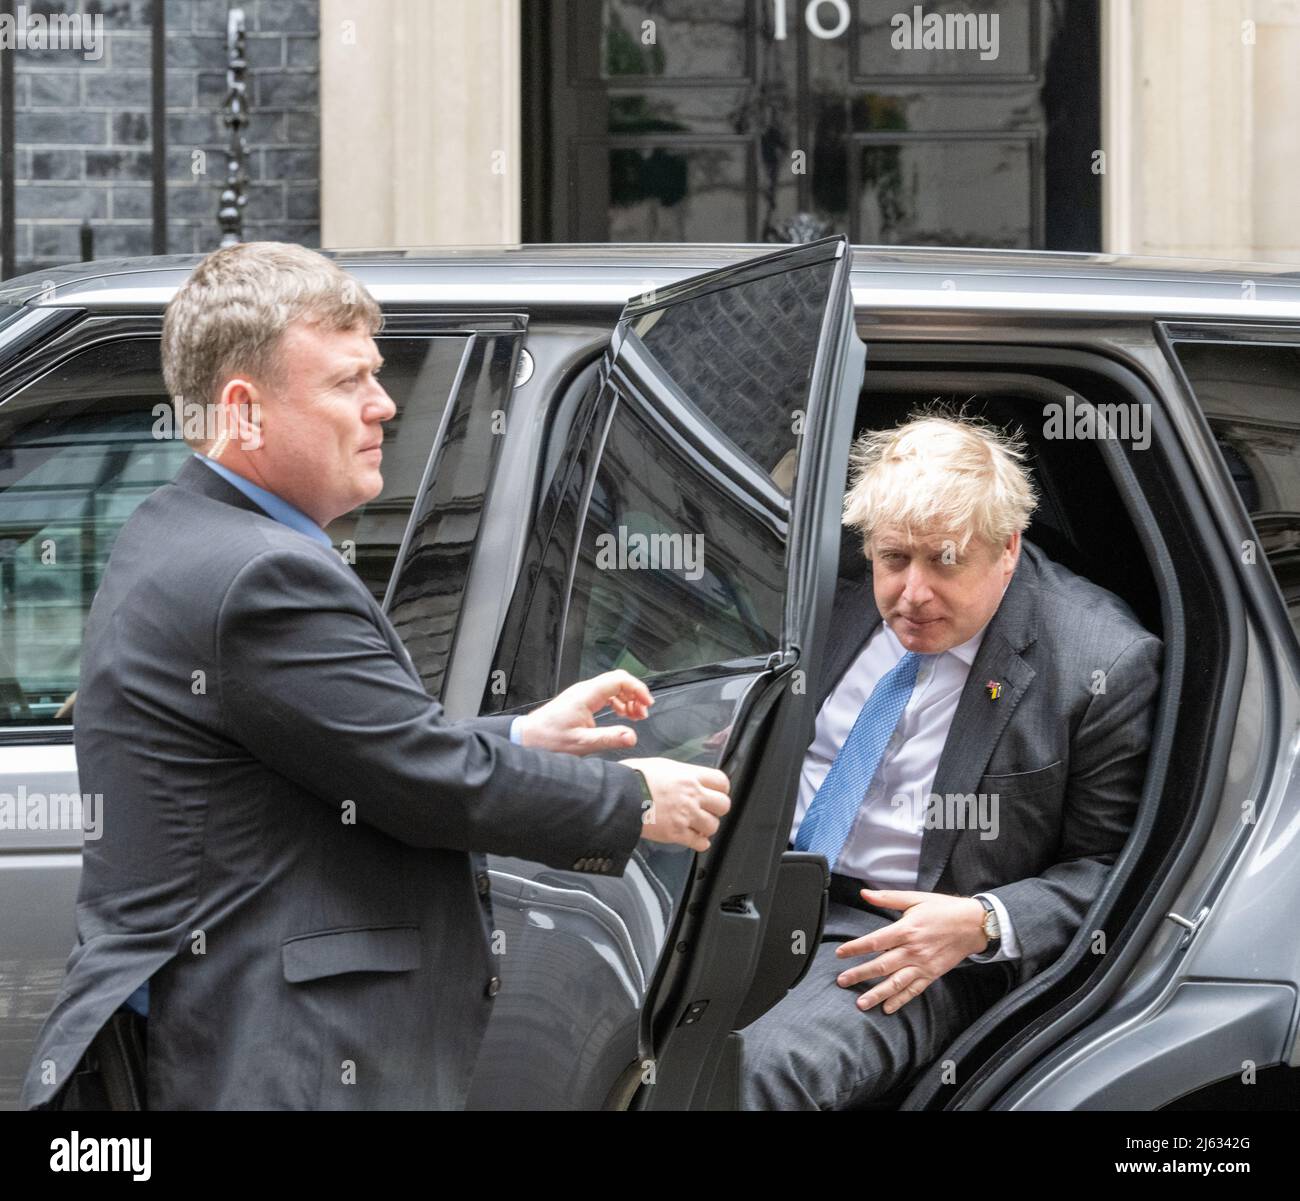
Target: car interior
x=1081 y=521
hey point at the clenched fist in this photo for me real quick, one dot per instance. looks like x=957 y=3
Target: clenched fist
x=687 y=802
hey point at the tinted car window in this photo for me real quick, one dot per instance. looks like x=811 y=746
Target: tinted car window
x=1250 y=394
x=82 y=446
x=676 y=568
x=744 y=356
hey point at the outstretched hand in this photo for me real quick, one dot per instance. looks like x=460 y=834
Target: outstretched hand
x=568 y=722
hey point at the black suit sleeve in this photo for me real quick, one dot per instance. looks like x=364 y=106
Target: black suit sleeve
x=309 y=684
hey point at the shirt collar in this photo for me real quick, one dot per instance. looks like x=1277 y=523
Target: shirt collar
x=274 y=506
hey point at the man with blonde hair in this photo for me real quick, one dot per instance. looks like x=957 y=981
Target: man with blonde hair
x=290 y=881
x=976 y=765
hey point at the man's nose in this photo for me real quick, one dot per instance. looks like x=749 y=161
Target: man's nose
x=916 y=590
x=382 y=406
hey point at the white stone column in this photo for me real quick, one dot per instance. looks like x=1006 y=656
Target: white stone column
x=419 y=122
x=1201 y=127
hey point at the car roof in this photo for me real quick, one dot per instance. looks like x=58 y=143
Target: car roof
x=605 y=275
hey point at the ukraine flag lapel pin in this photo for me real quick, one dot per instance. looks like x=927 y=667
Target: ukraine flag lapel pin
x=994 y=689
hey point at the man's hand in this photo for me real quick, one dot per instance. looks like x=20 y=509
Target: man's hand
x=687 y=801
x=568 y=722
x=935 y=933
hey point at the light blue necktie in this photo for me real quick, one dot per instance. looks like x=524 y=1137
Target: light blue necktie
x=834 y=809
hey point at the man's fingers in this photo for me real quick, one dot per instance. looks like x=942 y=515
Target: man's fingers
x=910 y=993
x=633 y=710
x=888 y=988
x=894 y=898
x=705 y=823
x=603 y=689
x=716 y=803
x=710 y=777
x=882 y=965
x=604 y=738
x=877 y=940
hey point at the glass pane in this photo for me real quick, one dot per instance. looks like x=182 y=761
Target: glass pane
x=665 y=193
x=685 y=41
x=1251 y=398
x=995 y=37
x=77 y=454
x=673 y=570
x=81 y=447
x=947 y=192
x=744 y=356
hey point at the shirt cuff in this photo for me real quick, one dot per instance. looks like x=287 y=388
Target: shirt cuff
x=1008 y=947
x=516 y=737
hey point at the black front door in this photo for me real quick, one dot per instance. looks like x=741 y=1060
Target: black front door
x=948 y=123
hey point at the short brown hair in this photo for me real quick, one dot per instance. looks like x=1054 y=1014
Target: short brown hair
x=228 y=317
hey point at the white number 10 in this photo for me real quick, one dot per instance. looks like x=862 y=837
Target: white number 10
x=812 y=18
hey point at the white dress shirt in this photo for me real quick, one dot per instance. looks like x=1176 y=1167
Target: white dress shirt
x=884 y=845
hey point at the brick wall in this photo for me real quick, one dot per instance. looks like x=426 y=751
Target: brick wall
x=82 y=126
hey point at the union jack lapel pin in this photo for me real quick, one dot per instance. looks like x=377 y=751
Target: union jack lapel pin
x=994 y=689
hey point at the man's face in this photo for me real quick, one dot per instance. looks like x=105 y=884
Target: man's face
x=932 y=598
x=321 y=421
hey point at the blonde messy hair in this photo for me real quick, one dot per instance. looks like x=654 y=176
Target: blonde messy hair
x=227 y=318
x=938 y=474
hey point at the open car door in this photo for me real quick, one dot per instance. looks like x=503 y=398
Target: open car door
x=691 y=536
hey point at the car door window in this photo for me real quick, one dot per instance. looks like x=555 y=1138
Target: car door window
x=84 y=444
x=675 y=568
x=1250 y=394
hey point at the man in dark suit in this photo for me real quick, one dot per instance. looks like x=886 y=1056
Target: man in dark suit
x=978 y=756
x=290 y=879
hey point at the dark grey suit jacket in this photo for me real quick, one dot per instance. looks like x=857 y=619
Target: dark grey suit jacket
x=291 y=836
x=1066 y=760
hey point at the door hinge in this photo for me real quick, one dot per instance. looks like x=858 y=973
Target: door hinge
x=779 y=659
x=1190 y=925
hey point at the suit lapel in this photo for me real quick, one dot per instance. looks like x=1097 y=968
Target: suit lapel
x=980 y=720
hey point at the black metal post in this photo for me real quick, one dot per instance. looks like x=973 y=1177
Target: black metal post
x=8 y=243
x=234 y=196
x=158 y=123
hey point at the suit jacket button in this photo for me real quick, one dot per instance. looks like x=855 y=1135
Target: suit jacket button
x=494 y=986
x=484 y=883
